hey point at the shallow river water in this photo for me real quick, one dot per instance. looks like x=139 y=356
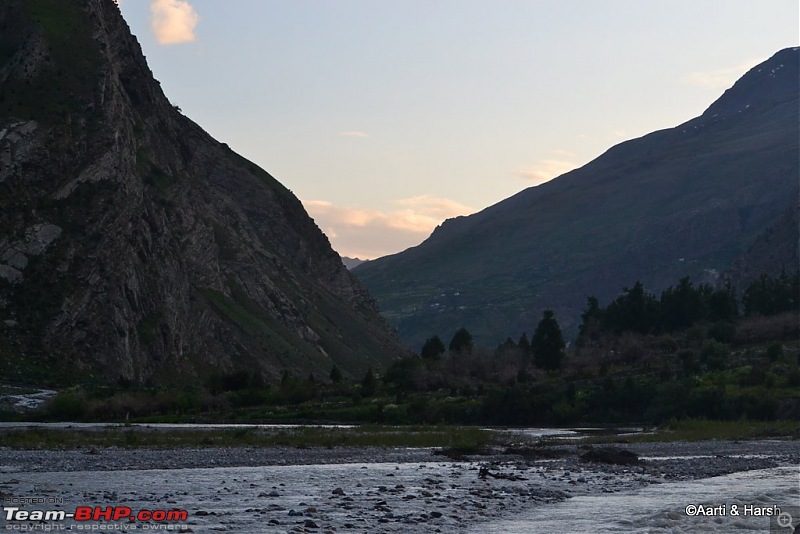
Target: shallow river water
x=396 y=490
x=424 y=497
x=663 y=507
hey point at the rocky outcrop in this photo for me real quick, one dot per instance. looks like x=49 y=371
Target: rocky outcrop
x=135 y=246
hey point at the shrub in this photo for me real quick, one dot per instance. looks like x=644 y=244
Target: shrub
x=68 y=405
x=714 y=354
x=723 y=331
x=792 y=377
x=689 y=363
x=774 y=351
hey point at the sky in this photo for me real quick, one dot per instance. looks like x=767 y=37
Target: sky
x=386 y=117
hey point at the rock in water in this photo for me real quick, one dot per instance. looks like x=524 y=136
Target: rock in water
x=134 y=246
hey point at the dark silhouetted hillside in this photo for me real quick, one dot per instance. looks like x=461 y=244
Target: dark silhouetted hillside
x=684 y=201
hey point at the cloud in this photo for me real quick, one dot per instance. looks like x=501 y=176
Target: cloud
x=173 y=21
x=719 y=78
x=545 y=170
x=354 y=133
x=370 y=233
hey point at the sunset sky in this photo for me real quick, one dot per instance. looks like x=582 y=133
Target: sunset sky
x=386 y=117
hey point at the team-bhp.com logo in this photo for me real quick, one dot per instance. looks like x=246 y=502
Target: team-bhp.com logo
x=96 y=513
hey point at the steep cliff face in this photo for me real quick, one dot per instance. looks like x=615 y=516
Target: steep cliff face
x=134 y=245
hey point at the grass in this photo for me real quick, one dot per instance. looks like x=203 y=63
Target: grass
x=456 y=437
x=704 y=429
x=461 y=439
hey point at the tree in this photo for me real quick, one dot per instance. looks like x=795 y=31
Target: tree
x=681 y=306
x=523 y=344
x=770 y=296
x=432 y=349
x=635 y=310
x=336 y=374
x=506 y=347
x=461 y=342
x=548 y=343
x=368 y=384
x=592 y=323
x=721 y=303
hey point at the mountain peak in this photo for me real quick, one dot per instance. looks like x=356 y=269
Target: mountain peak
x=769 y=83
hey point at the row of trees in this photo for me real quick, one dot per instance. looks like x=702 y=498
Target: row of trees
x=638 y=311
x=678 y=308
x=681 y=306
x=771 y=296
x=546 y=348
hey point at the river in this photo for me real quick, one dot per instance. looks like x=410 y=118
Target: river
x=662 y=507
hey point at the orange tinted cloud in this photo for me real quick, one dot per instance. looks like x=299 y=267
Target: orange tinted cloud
x=370 y=233
x=173 y=21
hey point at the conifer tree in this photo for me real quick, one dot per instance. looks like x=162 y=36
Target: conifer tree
x=461 y=342
x=548 y=343
x=432 y=349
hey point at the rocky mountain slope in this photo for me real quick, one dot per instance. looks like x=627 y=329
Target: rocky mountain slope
x=683 y=201
x=134 y=246
x=775 y=251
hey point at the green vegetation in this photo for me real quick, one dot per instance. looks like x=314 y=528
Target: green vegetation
x=705 y=429
x=432 y=349
x=771 y=296
x=129 y=437
x=63 y=79
x=462 y=342
x=717 y=376
x=159 y=178
x=548 y=344
x=679 y=308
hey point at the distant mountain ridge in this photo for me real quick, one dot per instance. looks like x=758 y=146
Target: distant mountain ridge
x=688 y=200
x=352 y=263
x=135 y=247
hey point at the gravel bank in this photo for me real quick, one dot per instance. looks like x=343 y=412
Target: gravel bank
x=358 y=490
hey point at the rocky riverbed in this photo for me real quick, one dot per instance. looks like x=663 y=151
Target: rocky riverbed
x=358 y=489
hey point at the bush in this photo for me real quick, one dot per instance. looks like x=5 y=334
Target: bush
x=723 y=331
x=689 y=363
x=774 y=351
x=68 y=406
x=369 y=384
x=759 y=404
x=754 y=377
x=714 y=354
x=792 y=377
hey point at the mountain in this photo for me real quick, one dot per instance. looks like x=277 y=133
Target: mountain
x=352 y=263
x=775 y=251
x=683 y=201
x=135 y=247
